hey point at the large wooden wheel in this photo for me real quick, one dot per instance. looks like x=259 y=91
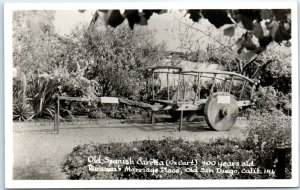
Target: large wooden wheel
x=221 y=111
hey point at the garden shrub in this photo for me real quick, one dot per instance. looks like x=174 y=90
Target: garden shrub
x=41 y=94
x=21 y=110
x=264 y=135
x=81 y=108
x=270 y=102
x=96 y=114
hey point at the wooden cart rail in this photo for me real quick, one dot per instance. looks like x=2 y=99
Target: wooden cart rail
x=228 y=77
x=220 y=72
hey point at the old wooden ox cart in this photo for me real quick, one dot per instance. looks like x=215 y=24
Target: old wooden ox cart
x=216 y=95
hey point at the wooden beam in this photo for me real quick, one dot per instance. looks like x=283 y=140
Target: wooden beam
x=180 y=122
x=165 y=67
x=79 y=99
x=178 y=88
x=138 y=104
x=242 y=103
x=168 y=102
x=153 y=92
x=220 y=72
x=198 y=102
x=231 y=82
x=152 y=117
x=225 y=83
x=243 y=90
x=190 y=107
x=168 y=88
x=56 y=117
x=184 y=89
x=252 y=91
x=197 y=88
x=213 y=84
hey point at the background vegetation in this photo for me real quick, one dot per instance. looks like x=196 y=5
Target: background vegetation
x=87 y=63
x=93 y=62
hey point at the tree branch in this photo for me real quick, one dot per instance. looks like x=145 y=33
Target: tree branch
x=192 y=27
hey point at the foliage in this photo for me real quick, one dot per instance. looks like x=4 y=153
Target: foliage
x=21 y=110
x=95 y=62
x=279 y=73
x=41 y=93
x=80 y=108
x=274 y=66
x=18 y=88
x=264 y=135
x=36 y=47
x=43 y=58
x=276 y=23
x=269 y=101
x=116 y=59
x=96 y=114
x=225 y=150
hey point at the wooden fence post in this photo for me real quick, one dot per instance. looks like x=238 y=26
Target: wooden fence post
x=56 y=117
x=153 y=117
x=281 y=164
x=180 y=121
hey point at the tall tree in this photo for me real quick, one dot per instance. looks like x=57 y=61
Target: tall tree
x=116 y=58
x=35 y=44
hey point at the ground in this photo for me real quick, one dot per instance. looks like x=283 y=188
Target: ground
x=38 y=152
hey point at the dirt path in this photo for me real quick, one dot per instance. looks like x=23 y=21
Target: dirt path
x=38 y=153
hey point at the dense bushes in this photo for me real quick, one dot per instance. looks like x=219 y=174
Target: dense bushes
x=89 y=63
x=96 y=114
x=270 y=102
x=259 y=146
x=21 y=110
x=266 y=133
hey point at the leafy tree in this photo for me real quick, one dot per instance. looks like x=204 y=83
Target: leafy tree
x=42 y=56
x=35 y=46
x=115 y=58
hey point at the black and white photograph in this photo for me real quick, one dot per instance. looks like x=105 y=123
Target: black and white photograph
x=104 y=95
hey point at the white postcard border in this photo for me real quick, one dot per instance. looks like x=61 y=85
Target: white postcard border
x=10 y=183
